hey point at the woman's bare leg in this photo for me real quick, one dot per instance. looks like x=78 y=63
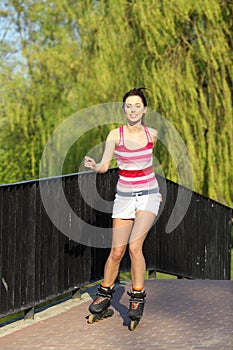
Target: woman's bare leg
x=142 y=224
x=121 y=232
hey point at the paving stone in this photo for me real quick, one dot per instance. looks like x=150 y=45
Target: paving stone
x=179 y=314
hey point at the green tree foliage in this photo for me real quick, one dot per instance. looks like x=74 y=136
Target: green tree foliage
x=76 y=54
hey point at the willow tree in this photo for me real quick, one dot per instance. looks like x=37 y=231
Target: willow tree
x=79 y=54
x=183 y=52
x=189 y=70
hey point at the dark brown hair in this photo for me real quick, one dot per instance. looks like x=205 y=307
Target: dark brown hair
x=136 y=92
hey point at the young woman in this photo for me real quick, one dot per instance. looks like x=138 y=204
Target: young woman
x=136 y=202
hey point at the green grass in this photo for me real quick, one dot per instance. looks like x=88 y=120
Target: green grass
x=10 y=318
x=164 y=276
x=125 y=276
x=232 y=264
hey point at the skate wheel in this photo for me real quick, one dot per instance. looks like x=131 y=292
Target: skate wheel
x=91 y=319
x=97 y=317
x=133 y=325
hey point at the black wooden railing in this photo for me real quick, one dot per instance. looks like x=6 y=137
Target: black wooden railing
x=38 y=262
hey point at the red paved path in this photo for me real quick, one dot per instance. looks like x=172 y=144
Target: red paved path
x=179 y=314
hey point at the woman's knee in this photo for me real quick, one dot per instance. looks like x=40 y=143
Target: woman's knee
x=135 y=251
x=117 y=254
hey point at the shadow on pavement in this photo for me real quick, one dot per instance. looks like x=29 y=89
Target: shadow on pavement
x=121 y=308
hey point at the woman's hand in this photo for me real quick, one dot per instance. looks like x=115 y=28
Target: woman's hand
x=89 y=163
x=103 y=165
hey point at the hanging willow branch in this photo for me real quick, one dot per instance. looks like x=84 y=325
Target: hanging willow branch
x=83 y=53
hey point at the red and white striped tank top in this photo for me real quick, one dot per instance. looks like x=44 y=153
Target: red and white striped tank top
x=135 y=166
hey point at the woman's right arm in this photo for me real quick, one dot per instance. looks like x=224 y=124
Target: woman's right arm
x=103 y=165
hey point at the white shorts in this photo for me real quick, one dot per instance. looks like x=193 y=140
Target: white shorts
x=127 y=207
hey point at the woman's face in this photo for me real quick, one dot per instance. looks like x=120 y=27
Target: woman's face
x=134 y=109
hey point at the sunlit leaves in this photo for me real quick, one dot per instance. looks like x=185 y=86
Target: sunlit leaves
x=78 y=54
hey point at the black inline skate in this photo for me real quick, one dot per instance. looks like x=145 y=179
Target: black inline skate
x=136 y=307
x=99 y=308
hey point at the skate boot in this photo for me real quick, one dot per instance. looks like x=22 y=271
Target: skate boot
x=99 y=308
x=136 y=307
